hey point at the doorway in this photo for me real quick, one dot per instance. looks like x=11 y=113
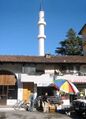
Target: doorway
x=8 y=86
x=3 y=94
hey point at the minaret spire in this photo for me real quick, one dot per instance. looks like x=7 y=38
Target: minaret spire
x=41 y=5
x=41 y=25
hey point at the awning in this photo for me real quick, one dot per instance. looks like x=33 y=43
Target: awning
x=43 y=80
x=7 y=80
x=74 y=79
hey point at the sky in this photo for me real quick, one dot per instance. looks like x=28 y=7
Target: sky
x=19 y=29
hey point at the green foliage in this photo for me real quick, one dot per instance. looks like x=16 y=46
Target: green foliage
x=72 y=45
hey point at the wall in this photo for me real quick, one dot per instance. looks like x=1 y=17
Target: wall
x=41 y=80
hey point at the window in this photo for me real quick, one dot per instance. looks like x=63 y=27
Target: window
x=12 y=92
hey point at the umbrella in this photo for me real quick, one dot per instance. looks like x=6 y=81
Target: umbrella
x=54 y=86
x=66 y=86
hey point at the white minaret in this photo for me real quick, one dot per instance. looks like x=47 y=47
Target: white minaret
x=41 y=25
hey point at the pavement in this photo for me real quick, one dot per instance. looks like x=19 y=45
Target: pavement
x=10 y=113
x=7 y=112
x=10 y=109
x=6 y=108
x=31 y=115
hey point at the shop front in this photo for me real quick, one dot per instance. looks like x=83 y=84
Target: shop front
x=8 y=86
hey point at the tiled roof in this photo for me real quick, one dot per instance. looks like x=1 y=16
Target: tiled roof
x=41 y=59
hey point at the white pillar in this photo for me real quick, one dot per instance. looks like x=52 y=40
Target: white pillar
x=74 y=70
x=85 y=92
x=20 y=88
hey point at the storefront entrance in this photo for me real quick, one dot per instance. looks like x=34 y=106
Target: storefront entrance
x=27 y=89
x=8 y=86
x=3 y=95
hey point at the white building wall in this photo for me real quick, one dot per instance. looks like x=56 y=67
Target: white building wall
x=41 y=80
x=73 y=78
x=50 y=71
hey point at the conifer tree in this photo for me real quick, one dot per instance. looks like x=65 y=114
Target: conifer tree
x=72 y=45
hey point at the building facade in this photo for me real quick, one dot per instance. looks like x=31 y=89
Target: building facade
x=20 y=75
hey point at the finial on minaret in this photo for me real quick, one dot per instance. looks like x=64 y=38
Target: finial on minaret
x=41 y=25
x=41 y=5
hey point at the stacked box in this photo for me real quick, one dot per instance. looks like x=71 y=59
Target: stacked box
x=52 y=108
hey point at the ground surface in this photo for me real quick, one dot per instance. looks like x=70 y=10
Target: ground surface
x=33 y=115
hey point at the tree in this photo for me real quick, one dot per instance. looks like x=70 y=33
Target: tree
x=72 y=45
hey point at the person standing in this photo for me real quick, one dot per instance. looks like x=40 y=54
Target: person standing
x=45 y=103
x=31 y=99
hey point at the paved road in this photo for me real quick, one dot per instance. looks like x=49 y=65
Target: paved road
x=32 y=115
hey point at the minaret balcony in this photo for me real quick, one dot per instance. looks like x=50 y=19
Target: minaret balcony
x=41 y=36
x=42 y=23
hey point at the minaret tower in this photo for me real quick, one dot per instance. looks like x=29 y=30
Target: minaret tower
x=41 y=25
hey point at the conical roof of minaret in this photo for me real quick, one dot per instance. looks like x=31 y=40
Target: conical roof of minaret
x=41 y=5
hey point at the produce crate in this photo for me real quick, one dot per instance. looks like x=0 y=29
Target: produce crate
x=52 y=108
